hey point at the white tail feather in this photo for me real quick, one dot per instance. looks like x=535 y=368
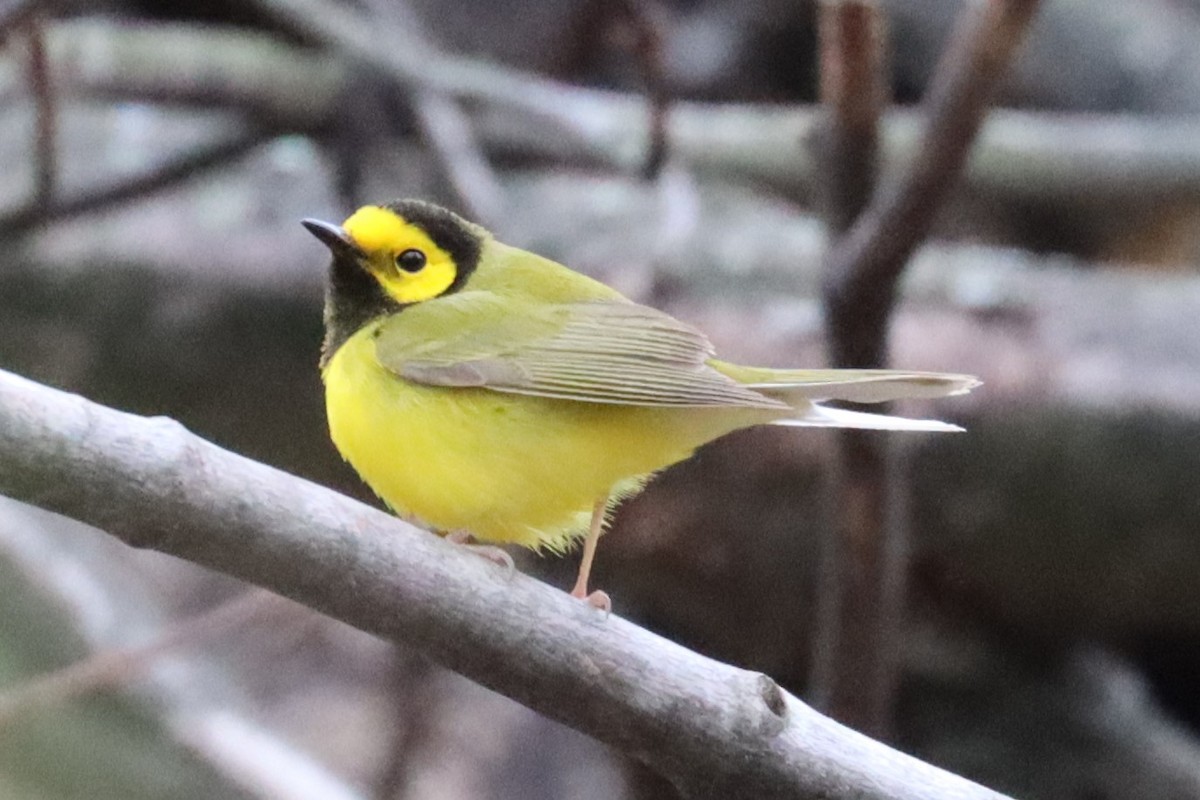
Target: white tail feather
x=817 y=416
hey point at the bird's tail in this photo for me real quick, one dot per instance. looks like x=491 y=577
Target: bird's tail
x=803 y=389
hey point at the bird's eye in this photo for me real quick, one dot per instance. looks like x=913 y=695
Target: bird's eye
x=411 y=260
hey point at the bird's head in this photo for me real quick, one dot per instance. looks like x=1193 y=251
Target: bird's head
x=414 y=251
x=392 y=256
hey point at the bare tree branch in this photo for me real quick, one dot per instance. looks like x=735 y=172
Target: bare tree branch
x=446 y=127
x=188 y=64
x=192 y=700
x=416 y=709
x=854 y=93
x=1020 y=156
x=46 y=126
x=716 y=731
x=862 y=565
x=174 y=171
x=645 y=17
x=349 y=32
x=862 y=271
x=864 y=267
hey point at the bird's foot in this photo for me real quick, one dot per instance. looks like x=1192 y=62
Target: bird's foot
x=597 y=599
x=492 y=553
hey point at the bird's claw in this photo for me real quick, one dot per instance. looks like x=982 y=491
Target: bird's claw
x=492 y=553
x=598 y=600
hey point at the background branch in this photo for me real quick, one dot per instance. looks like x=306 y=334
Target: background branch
x=46 y=127
x=713 y=729
x=1020 y=155
x=860 y=578
x=854 y=94
x=864 y=267
x=855 y=660
x=178 y=169
x=445 y=126
x=645 y=19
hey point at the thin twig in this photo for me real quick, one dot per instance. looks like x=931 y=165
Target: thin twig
x=645 y=17
x=866 y=265
x=109 y=669
x=417 y=704
x=172 y=172
x=864 y=563
x=714 y=730
x=46 y=118
x=856 y=665
x=448 y=132
x=444 y=124
x=351 y=32
x=446 y=128
x=854 y=92
x=852 y=662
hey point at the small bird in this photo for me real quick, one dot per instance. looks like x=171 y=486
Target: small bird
x=481 y=389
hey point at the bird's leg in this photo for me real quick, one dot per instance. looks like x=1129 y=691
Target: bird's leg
x=597 y=599
x=490 y=552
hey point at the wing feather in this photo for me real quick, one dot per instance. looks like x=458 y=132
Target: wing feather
x=614 y=352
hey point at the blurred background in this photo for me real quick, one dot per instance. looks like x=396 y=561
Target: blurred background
x=157 y=158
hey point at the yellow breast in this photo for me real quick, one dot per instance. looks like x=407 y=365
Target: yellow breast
x=506 y=468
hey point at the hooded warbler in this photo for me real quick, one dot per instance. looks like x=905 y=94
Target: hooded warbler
x=480 y=388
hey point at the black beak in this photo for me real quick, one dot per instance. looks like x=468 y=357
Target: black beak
x=334 y=237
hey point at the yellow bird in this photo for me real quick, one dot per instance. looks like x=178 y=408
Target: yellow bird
x=480 y=388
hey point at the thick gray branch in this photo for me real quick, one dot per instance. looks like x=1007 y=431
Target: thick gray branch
x=715 y=730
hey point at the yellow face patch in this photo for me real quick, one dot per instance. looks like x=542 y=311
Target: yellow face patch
x=407 y=263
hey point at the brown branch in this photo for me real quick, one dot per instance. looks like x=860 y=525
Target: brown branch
x=46 y=119
x=550 y=103
x=1020 y=156
x=417 y=705
x=854 y=93
x=164 y=176
x=861 y=564
x=645 y=17
x=864 y=562
x=714 y=730
x=856 y=650
x=863 y=268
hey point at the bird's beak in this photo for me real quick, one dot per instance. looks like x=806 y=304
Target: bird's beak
x=334 y=237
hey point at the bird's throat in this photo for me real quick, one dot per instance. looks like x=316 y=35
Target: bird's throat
x=352 y=299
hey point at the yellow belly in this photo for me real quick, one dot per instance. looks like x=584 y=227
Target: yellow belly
x=505 y=467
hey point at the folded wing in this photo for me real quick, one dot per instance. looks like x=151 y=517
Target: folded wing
x=621 y=353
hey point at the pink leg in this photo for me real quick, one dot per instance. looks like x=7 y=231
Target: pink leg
x=597 y=599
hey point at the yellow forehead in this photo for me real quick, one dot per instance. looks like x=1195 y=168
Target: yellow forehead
x=376 y=229
x=383 y=234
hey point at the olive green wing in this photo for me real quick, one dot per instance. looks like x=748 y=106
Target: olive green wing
x=605 y=351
